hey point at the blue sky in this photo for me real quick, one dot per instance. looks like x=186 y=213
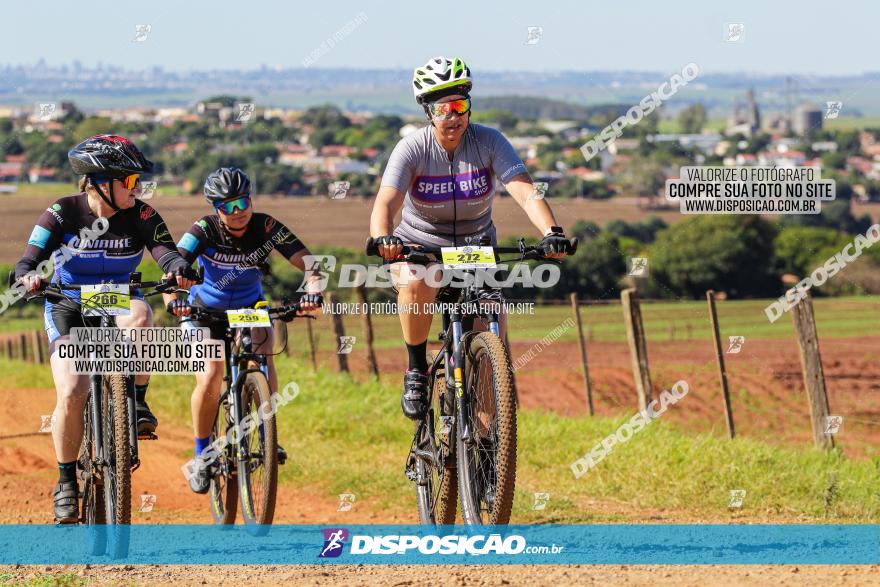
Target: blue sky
x=780 y=36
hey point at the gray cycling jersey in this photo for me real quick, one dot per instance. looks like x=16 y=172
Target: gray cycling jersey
x=449 y=202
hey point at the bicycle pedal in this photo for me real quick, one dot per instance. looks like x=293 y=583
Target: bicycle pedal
x=147 y=436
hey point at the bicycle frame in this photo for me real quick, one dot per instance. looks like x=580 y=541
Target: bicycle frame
x=237 y=368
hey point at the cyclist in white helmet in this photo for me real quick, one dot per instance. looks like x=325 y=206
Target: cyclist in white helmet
x=444 y=176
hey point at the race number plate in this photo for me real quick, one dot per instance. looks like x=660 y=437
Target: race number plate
x=105 y=299
x=467 y=257
x=248 y=318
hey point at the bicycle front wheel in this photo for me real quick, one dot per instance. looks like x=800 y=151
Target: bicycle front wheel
x=257 y=455
x=487 y=460
x=117 y=463
x=93 y=514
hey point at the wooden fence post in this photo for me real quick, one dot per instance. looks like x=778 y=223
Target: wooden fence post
x=23 y=345
x=368 y=330
x=37 y=346
x=814 y=376
x=638 y=348
x=9 y=348
x=719 y=355
x=588 y=386
x=339 y=330
x=312 y=350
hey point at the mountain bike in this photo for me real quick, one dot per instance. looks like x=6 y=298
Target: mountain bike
x=109 y=450
x=245 y=470
x=465 y=446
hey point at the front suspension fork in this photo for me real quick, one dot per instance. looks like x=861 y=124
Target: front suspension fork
x=462 y=400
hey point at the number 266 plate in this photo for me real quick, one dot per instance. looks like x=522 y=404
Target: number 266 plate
x=105 y=298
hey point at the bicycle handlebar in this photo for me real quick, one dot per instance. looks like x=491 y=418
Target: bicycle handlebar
x=285 y=313
x=526 y=251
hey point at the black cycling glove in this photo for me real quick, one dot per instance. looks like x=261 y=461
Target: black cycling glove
x=388 y=241
x=555 y=242
x=313 y=298
x=176 y=304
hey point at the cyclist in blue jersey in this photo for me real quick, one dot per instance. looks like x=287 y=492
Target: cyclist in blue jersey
x=111 y=167
x=233 y=246
x=444 y=177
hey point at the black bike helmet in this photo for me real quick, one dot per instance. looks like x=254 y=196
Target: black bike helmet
x=226 y=183
x=108 y=156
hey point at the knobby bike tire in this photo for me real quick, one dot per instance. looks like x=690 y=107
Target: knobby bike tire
x=224 y=481
x=485 y=351
x=93 y=514
x=258 y=492
x=117 y=470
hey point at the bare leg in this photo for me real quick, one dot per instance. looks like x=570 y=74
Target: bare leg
x=71 y=393
x=206 y=398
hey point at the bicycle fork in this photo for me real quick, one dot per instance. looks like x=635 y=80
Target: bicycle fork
x=462 y=400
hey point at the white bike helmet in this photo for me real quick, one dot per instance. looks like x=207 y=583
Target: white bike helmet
x=438 y=74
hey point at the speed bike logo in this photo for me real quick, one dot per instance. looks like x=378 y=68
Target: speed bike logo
x=334 y=540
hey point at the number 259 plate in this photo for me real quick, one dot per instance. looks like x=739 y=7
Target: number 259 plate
x=105 y=299
x=467 y=257
x=248 y=318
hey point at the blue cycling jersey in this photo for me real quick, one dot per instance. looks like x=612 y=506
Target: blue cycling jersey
x=108 y=257
x=232 y=265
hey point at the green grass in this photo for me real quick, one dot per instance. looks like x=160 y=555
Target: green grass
x=842 y=317
x=344 y=436
x=60 y=580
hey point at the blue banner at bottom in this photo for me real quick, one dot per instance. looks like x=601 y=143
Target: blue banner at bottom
x=393 y=544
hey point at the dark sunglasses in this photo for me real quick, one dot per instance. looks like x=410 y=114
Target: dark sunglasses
x=229 y=206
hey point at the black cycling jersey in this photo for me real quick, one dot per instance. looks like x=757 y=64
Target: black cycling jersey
x=232 y=264
x=110 y=257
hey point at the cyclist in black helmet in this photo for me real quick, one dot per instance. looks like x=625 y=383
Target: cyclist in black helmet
x=111 y=167
x=233 y=245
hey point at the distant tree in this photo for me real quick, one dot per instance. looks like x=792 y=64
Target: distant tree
x=836 y=214
x=503 y=119
x=797 y=247
x=585 y=229
x=91 y=126
x=326 y=117
x=833 y=161
x=643 y=177
x=693 y=118
x=711 y=252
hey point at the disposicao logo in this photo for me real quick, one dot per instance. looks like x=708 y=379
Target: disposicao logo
x=334 y=540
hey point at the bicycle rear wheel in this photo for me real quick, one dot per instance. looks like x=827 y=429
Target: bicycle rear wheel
x=117 y=463
x=436 y=484
x=487 y=462
x=224 y=480
x=258 y=460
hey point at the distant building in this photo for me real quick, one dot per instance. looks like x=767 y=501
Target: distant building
x=807 y=118
x=748 y=122
x=705 y=142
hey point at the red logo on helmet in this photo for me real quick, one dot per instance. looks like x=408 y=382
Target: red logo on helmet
x=270 y=223
x=147 y=212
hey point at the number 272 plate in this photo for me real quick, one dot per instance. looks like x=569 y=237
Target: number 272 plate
x=467 y=257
